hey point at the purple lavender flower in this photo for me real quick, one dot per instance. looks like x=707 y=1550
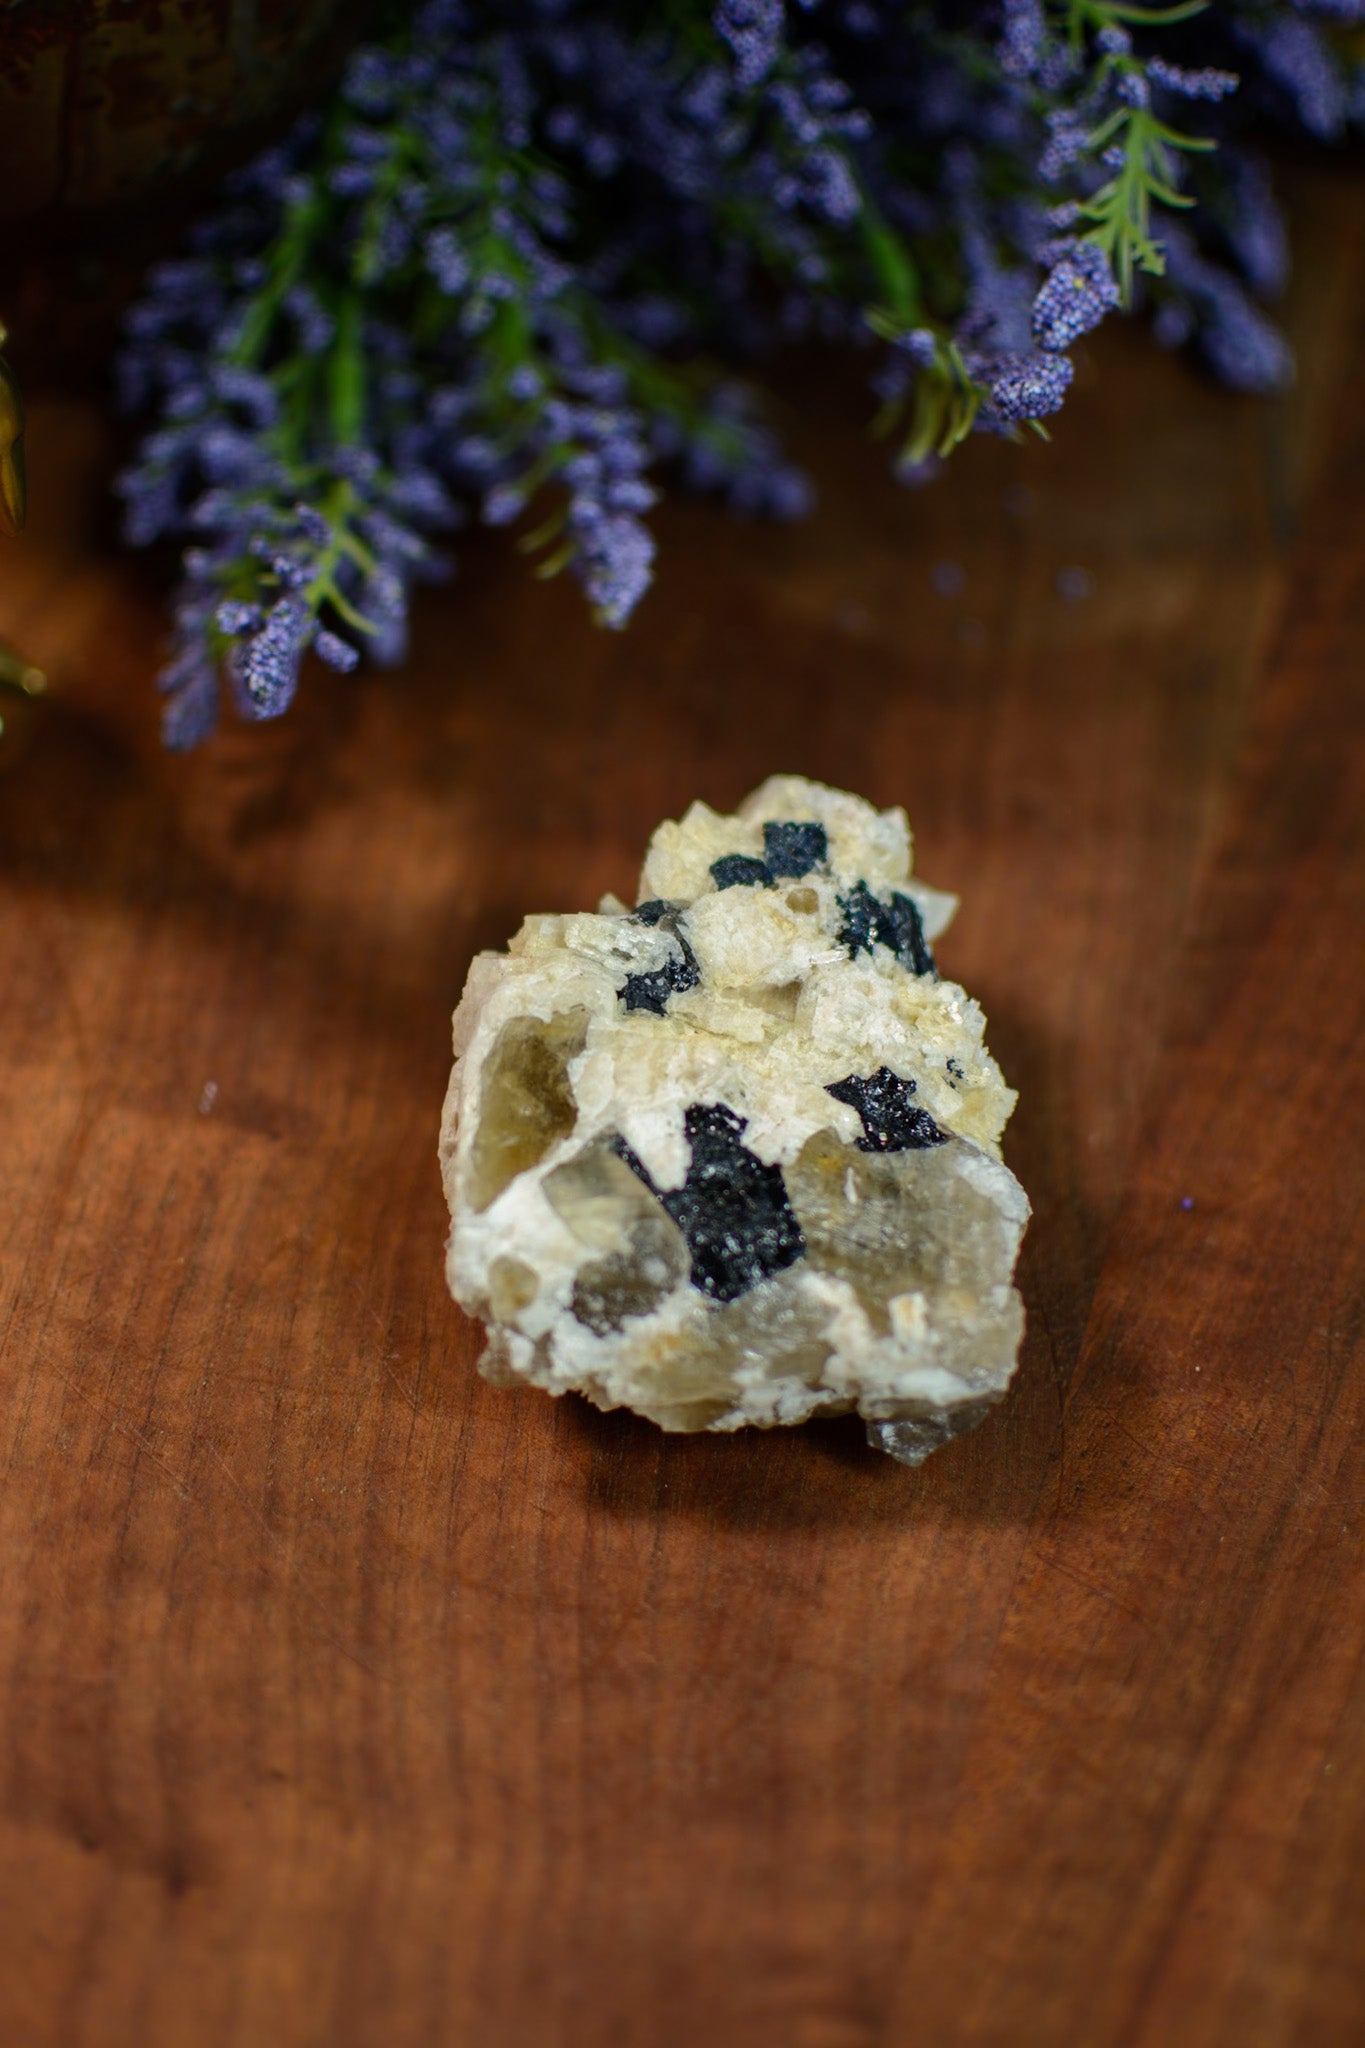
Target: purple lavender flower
x=447 y=260
x=266 y=663
x=1301 y=72
x=189 y=681
x=1079 y=290
x=753 y=29
x=614 y=559
x=727 y=450
x=1028 y=386
x=498 y=276
x=336 y=652
x=313 y=322
x=1252 y=224
x=1205 y=83
x=236 y=615
x=1068 y=131
x=1233 y=335
x=384 y=597
x=1024 y=40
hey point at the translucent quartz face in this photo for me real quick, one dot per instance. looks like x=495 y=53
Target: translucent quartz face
x=526 y=1101
x=897 y=1223
x=733 y=1156
x=643 y=1255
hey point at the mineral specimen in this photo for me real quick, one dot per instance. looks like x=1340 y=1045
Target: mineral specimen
x=733 y=1156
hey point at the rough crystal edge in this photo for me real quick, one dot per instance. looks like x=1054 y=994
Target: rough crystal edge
x=911 y=1439
x=908 y=1437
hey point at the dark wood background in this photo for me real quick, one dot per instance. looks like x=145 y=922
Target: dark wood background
x=347 y=1701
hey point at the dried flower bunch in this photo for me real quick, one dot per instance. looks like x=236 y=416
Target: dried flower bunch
x=498 y=272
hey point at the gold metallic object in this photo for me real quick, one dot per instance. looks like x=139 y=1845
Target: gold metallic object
x=13 y=495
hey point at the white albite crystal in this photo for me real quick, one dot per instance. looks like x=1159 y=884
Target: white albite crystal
x=734 y=1156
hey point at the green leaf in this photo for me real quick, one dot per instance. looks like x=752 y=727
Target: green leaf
x=346 y=374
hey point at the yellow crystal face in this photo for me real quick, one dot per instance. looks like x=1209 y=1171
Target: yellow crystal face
x=525 y=1102
x=512 y=1287
x=895 y=1223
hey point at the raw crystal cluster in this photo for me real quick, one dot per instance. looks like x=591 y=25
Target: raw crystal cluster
x=733 y=1156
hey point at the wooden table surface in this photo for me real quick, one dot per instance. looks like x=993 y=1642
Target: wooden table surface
x=348 y=1701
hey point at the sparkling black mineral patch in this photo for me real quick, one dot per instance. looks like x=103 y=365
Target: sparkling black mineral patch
x=732 y=1209
x=892 y=1122
x=680 y=971
x=869 y=922
x=791 y=850
x=911 y=946
x=740 y=870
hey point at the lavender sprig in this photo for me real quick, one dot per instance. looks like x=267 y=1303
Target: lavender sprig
x=510 y=270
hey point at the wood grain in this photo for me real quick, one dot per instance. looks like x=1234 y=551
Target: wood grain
x=347 y=1700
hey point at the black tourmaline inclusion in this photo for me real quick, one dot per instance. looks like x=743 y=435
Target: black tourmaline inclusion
x=680 y=971
x=869 y=922
x=740 y=870
x=793 y=850
x=891 y=1121
x=790 y=851
x=732 y=1209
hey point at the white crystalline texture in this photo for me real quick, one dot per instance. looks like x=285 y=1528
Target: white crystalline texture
x=734 y=1156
